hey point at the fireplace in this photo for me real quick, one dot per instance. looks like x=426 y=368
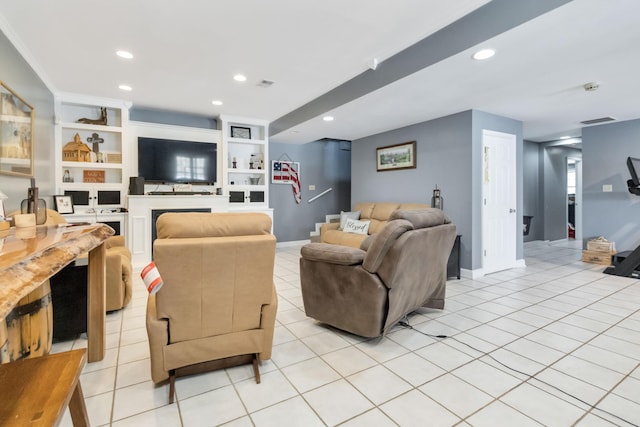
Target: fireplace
x=155 y=213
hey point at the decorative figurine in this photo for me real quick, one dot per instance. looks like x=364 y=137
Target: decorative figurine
x=101 y=121
x=234 y=164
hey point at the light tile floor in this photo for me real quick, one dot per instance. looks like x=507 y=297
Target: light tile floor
x=556 y=343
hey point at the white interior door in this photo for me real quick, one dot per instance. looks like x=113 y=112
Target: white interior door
x=578 y=203
x=499 y=219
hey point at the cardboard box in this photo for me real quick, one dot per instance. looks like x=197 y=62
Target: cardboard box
x=596 y=257
x=601 y=246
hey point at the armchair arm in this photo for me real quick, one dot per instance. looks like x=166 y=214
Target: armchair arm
x=158 y=332
x=328 y=226
x=332 y=254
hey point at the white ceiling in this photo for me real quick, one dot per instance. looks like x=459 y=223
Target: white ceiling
x=187 y=52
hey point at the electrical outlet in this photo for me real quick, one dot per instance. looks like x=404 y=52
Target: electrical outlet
x=312 y=187
x=607 y=188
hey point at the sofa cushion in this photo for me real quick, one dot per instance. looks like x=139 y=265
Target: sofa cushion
x=357 y=227
x=422 y=218
x=337 y=237
x=344 y=216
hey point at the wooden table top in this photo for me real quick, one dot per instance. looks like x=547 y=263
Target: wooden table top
x=29 y=256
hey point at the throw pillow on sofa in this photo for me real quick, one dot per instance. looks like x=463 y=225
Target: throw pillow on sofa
x=357 y=227
x=344 y=216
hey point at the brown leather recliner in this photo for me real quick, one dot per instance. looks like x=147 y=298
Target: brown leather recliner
x=366 y=291
x=217 y=306
x=118 y=266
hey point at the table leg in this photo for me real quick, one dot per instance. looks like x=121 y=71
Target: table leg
x=96 y=303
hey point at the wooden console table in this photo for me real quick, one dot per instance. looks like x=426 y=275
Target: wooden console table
x=29 y=256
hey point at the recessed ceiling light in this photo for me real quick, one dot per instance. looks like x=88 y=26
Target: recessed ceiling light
x=125 y=87
x=124 y=54
x=483 y=54
x=328 y=118
x=216 y=102
x=239 y=78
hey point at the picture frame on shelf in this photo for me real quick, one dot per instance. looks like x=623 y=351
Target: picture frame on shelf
x=16 y=133
x=398 y=156
x=240 y=132
x=63 y=204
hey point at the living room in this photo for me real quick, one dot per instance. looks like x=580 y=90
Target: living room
x=448 y=155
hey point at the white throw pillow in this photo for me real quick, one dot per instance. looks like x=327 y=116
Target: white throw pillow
x=357 y=227
x=347 y=215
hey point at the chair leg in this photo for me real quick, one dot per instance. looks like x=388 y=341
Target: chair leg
x=172 y=384
x=256 y=370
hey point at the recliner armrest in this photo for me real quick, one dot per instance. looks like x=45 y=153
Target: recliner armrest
x=333 y=254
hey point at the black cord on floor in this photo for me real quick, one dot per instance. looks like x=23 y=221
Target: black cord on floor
x=405 y=324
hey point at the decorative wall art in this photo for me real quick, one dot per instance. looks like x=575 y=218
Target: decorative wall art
x=399 y=156
x=287 y=172
x=16 y=133
x=63 y=204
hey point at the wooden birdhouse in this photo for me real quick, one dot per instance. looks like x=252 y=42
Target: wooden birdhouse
x=76 y=151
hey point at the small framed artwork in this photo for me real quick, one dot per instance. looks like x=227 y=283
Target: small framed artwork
x=63 y=204
x=240 y=132
x=398 y=156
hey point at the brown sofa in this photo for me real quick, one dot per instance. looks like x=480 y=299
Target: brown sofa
x=367 y=291
x=218 y=302
x=376 y=213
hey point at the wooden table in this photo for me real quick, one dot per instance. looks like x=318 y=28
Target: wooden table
x=29 y=256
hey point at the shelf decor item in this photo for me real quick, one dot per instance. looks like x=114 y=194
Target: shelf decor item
x=76 y=151
x=93 y=176
x=102 y=120
x=16 y=133
x=398 y=156
x=240 y=132
x=63 y=204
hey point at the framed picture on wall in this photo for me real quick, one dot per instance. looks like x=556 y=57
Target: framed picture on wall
x=398 y=156
x=16 y=133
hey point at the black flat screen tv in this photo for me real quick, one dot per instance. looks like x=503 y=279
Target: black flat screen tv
x=173 y=161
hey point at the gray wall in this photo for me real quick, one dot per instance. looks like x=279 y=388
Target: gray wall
x=148 y=115
x=555 y=190
x=532 y=191
x=325 y=164
x=449 y=155
x=20 y=77
x=443 y=158
x=614 y=215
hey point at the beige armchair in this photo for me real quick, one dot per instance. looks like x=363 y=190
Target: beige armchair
x=367 y=290
x=118 y=263
x=217 y=306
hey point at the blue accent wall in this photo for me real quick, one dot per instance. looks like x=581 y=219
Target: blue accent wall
x=325 y=164
x=448 y=155
x=614 y=215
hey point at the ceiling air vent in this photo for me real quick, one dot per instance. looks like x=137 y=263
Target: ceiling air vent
x=265 y=83
x=599 y=120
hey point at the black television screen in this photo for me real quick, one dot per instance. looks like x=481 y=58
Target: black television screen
x=172 y=161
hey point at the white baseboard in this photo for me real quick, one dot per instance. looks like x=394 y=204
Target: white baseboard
x=479 y=272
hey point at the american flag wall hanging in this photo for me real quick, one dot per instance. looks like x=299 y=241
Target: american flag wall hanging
x=285 y=172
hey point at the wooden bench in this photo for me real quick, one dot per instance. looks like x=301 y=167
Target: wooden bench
x=35 y=392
